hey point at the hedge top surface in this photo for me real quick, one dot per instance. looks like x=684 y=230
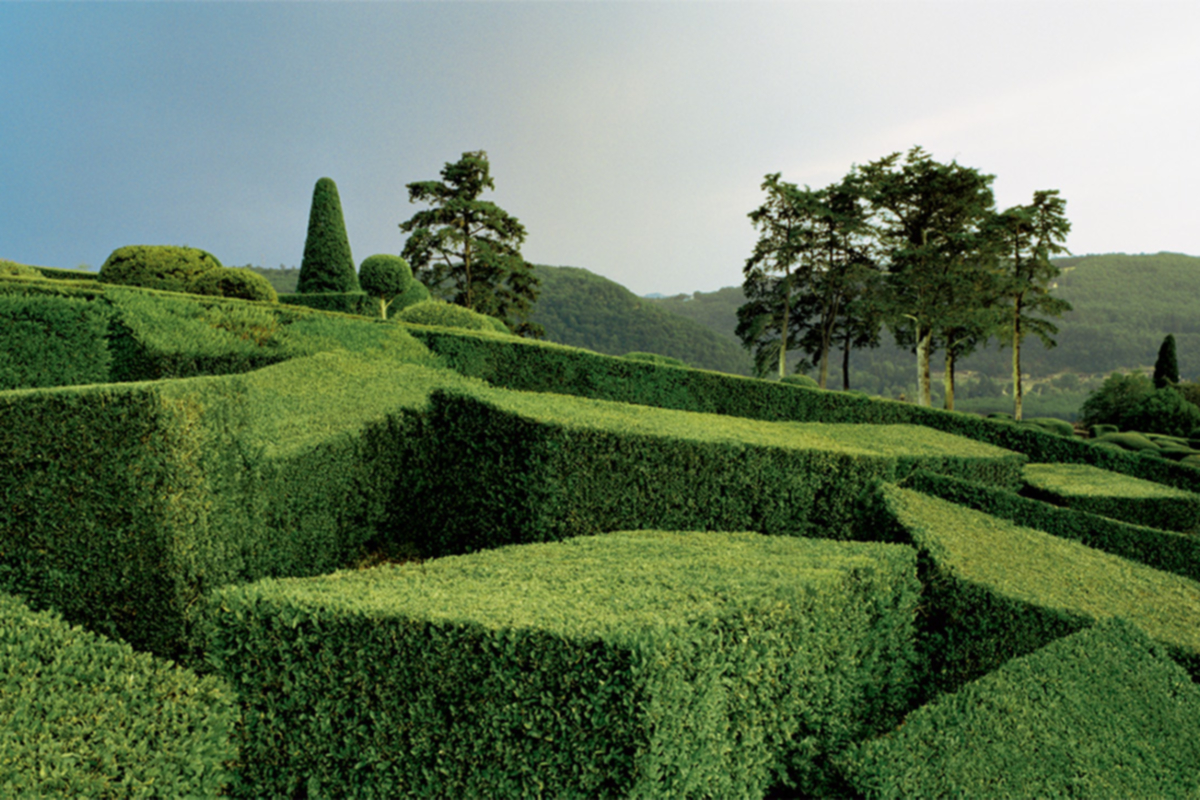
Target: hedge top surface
x=588 y=586
x=1047 y=571
x=868 y=440
x=1082 y=480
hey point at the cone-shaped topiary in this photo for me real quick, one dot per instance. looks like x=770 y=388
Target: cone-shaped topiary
x=234 y=282
x=385 y=278
x=1166 y=368
x=163 y=267
x=327 y=264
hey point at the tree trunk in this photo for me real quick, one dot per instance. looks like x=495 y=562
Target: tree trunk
x=383 y=304
x=1018 y=394
x=783 y=332
x=949 y=379
x=924 y=345
x=824 y=377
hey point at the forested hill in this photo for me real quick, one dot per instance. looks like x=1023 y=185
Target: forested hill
x=580 y=308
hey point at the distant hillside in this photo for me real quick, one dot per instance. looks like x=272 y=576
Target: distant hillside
x=580 y=308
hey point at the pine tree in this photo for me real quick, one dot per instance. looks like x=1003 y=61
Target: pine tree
x=1166 y=368
x=327 y=264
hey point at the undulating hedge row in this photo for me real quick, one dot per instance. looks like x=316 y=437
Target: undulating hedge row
x=84 y=716
x=1101 y=713
x=545 y=367
x=1165 y=550
x=359 y=303
x=1113 y=495
x=57 y=274
x=125 y=503
x=512 y=467
x=995 y=590
x=637 y=664
x=52 y=341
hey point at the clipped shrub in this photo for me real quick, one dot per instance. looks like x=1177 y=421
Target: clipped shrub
x=1101 y=713
x=343 y=302
x=230 y=282
x=800 y=380
x=1110 y=494
x=448 y=315
x=85 y=716
x=49 y=340
x=384 y=277
x=633 y=664
x=165 y=267
x=1131 y=441
x=1162 y=411
x=1096 y=431
x=1166 y=366
x=1052 y=425
x=327 y=265
x=655 y=358
x=415 y=293
x=11 y=269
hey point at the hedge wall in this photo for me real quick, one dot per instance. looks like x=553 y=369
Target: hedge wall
x=1113 y=495
x=1163 y=550
x=344 y=302
x=124 y=503
x=545 y=367
x=52 y=341
x=512 y=467
x=995 y=590
x=1101 y=713
x=636 y=664
x=84 y=716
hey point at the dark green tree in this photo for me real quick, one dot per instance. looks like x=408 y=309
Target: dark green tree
x=467 y=250
x=384 y=277
x=1115 y=399
x=327 y=265
x=1166 y=368
x=1027 y=236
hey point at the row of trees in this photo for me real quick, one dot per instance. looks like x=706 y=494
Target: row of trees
x=906 y=243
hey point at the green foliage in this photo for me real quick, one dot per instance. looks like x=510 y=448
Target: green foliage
x=1100 y=713
x=1096 y=431
x=1166 y=366
x=231 y=282
x=127 y=502
x=634 y=664
x=448 y=315
x=83 y=716
x=1162 y=411
x=995 y=590
x=384 y=277
x=1109 y=404
x=582 y=309
x=162 y=267
x=1051 y=425
x=359 y=303
x=799 y=380
x=654 y=358
x=327 y=265
x=81 y=274
x=48 y=340
x=1112 y=495
x=11 y=269
x=1164 y=550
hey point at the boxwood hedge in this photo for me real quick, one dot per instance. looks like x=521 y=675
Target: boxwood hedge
x=1110 y=494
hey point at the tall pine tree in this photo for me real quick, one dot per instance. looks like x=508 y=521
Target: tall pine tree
x=327 y=264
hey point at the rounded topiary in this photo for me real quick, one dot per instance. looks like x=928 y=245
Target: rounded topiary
x=655 y=358
x=327 y=265
x=384 y=277
x=234 y=282
x=157 y=266
x=1128 y=441
x=415 y=293
x=447 y=315
x=1053 y=425
x=800 y=380
x=1162 y=411
x=1097 y=431
x=11 y=269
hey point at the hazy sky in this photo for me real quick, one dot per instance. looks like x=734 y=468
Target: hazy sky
x=629 y=138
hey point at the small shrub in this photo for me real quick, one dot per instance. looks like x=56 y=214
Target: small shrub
x=385 y=278
x=163 y=267
x=447 y=315
x=230 y=282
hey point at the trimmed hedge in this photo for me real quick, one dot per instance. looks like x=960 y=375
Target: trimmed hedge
x=52 y=341
x=1164 y=550
x=512 y=467
x=84 y=716
x=125 y=503
x=1101 y=713
x=342 y=302
x=68 y=274
x=634 y=664
x=447 y=315
x=995 y=590
x=11 y=269
x=1109 y=494
x=163 y=267
x=234 y=282
x=545 y=367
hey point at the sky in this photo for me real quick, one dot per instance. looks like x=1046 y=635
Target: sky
x=629 y=138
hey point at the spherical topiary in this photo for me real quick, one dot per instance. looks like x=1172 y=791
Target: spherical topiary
x=385 y=278
x=327 y=265
x=157 y=266
x=800 y=380
x=11 y=269
x=447 y=315
x=234 y=282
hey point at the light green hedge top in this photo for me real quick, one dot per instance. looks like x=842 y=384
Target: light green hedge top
x=1081 y=480
x=1034 y=567
x=868 y=440
x=609 y=585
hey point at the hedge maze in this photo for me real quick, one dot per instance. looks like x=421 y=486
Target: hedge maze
x=592 y=576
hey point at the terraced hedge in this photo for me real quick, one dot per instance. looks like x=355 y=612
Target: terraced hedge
x=995 y=590
x=1113 y=495
x=643 y=664
x=52 y=341
x=1101 y=713
x=84 y=716
x=512 y=467
x=1165 y=550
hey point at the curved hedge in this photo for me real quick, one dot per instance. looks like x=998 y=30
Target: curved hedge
x=11 y=269
x=447 y=315
x=48 y=340
x=157 y=266
x=84 y=716
x=234 y=282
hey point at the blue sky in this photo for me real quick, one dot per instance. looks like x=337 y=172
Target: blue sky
x=629 y=138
